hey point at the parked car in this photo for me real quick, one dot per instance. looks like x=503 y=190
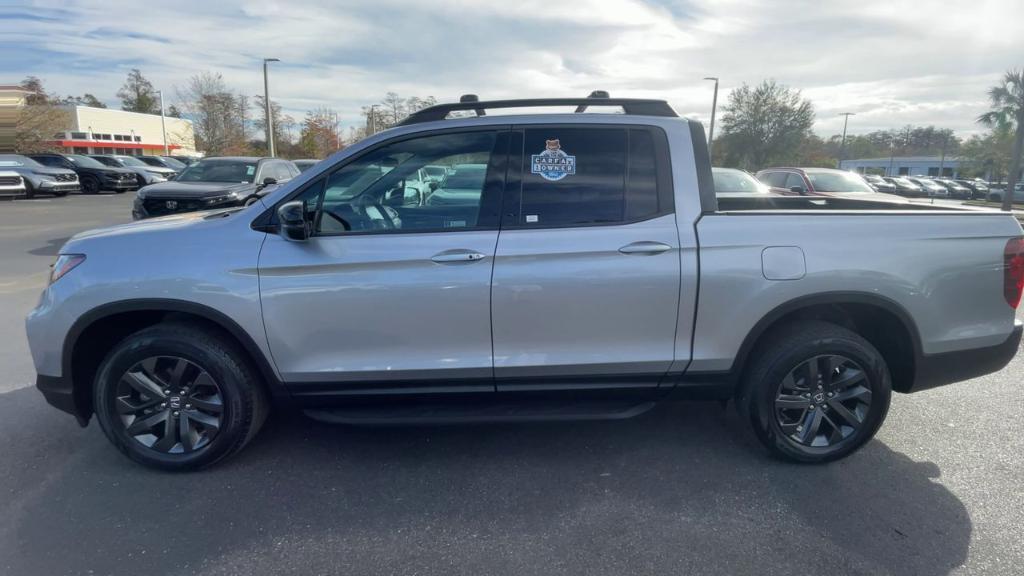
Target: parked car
x=182 y=159
x=165 y=162
x=978 y=188
x=956 y=190
x=821 y=182
x=730 y=181
x=144 y=173
x=881 y=184
x=93 y=176
x=39 y=179
x=460 y=186
x=213 y=183
x=905 y=187
x=589 y=279
x=931 y=188
x=996 y=194
x=12 y=185
x=305 y=164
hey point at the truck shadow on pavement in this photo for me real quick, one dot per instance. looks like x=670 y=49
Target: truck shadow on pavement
x=682 y=490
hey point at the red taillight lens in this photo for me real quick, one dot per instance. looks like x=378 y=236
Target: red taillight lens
x=1013 y=271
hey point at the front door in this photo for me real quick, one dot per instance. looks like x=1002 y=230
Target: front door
x=391 y=294
x=586 y=281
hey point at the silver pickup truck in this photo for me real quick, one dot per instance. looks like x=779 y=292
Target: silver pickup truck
x=587 y=270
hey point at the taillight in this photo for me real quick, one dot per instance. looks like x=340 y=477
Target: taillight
x=1013 y=271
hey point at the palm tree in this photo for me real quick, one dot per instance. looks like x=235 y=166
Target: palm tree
x=1007 y=101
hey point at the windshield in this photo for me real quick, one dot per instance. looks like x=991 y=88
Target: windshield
x=838 y=182
x=736 y=182
x=84 y=161
x=220 y=170
x=129 y=161
x=904 y=182
x=13 y=161
x=929 y=184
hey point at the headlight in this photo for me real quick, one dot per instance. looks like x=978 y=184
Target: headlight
x=45 y=177
x=156 y=177
x=65 y=263
x=220 y=199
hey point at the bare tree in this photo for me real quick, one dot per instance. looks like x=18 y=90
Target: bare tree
x=39 y=120
x=215 y=113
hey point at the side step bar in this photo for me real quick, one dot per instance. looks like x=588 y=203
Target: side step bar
x=439 y=413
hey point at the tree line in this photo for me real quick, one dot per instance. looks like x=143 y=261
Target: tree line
x=769 y=124
x=225 y=121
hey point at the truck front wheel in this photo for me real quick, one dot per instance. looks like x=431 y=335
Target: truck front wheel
x=816 y=392
x=178 y=396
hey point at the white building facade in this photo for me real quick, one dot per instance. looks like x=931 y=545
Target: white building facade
x=948 y=166
x=107 y=131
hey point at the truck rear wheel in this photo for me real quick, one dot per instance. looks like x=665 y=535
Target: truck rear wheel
x=816 y=392
x=178 y=396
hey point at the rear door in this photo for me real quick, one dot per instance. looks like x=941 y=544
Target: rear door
x=586 y=278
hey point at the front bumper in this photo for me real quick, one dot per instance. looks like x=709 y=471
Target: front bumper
x=60 y=393
x=58 y=186
x=934 y=370
x=120 y=185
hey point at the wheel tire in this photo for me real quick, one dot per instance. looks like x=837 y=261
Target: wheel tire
x=30 y=192
x=240 y=395
x=789 y=350
x=90 y=185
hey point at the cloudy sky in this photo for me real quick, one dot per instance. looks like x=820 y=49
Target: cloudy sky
x=893 y=62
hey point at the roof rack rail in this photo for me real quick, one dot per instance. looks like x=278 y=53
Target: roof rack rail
x=631 y=106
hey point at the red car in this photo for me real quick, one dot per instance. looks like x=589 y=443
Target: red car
x=821 y=182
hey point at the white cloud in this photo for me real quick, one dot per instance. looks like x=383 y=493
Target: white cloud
x=893 y=62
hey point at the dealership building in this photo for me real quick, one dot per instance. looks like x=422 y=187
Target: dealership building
x=107 y=131
x=948 y=166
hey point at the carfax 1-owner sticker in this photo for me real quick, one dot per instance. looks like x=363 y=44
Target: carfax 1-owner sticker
x=553 y=163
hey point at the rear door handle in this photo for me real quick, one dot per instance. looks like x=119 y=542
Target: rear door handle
x=449 y=256
x=645 y=248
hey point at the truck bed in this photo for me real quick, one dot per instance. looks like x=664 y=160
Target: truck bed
x=762 y=202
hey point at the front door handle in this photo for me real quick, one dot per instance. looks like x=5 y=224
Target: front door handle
x=645 y=248
x=449 y=256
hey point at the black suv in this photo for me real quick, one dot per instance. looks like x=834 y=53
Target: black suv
x=92 y=175
x=213 y=183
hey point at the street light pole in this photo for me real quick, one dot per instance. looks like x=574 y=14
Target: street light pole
x=373 y=119
x=842 y=143
x=714 y=105
x=163 y=122
x=266 y=105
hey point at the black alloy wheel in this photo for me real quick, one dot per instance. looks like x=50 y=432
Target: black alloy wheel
x=823 y=401
x=90 y=185
x=815 y=391
x=179 y=395
x=170 y=404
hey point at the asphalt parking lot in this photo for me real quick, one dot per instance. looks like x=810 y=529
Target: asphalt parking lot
x=681 y=490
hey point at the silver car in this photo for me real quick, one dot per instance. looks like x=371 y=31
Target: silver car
x=39 y=179
x=589 y=272
x=11 y=184
x=144 y=173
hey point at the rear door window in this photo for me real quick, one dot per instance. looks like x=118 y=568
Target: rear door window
x=590 y=176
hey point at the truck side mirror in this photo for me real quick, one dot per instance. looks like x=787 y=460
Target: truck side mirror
x=292 y=223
